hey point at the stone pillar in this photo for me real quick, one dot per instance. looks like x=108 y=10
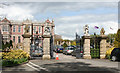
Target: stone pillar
x=0 y=40
x=86 y=47
x=46 y=47
x=103 y=46
x=26 y=43
x=69 y=43
x=57 y=42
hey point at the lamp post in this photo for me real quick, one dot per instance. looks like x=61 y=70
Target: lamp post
x=37 y=40
x=94 y=39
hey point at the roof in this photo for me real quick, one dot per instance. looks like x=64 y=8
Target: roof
x=5 y=20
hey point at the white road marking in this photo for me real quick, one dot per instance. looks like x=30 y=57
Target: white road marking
x=32 y=67
x=39 y=66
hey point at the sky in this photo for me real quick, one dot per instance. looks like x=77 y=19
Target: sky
x=69 y=17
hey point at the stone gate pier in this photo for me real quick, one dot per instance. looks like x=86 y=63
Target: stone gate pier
x=26 y=43
x=26 y=40
x=102 y=44
x=46 y=43
x=46 y=47
x=86 y=47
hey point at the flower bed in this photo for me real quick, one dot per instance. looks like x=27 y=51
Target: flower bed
x=14 y=57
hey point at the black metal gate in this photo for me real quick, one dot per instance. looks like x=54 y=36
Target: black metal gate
x=95 y=46
x=36 y=50
x=51 y=46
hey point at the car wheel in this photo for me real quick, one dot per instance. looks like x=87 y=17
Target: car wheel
x=114 y=58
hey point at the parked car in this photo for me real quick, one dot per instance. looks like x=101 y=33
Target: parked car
x=115 y=54
x=36 y=51
x=58 y=49
x=68 y=50
x=78 y=53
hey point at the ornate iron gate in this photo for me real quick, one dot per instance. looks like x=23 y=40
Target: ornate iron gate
x=95 y=47
x=36 y=46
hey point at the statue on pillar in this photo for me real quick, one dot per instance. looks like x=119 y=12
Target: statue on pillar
x=86 y=30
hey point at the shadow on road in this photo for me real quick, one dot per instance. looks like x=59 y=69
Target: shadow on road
x=76 y=66
x=69 y=67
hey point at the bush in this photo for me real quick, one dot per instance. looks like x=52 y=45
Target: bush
x=108 y=53
x=14 y=57
x=65 y=45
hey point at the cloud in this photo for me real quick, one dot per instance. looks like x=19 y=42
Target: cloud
x=16 y=12
x=66 y=25
x=59 y=0
x=69 y=25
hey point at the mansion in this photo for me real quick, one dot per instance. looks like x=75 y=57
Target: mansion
x=13 y=30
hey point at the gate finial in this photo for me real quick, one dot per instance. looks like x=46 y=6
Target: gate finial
x=102 y=32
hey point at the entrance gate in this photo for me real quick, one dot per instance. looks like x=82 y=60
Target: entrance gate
x=36 y=49
x=95 y=47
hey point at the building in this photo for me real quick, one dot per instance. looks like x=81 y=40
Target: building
x=57 y=36
x=13 y=30
x=59 y=41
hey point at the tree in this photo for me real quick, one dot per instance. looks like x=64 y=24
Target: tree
x=8 y=44
x=73 y=43
x=111 y=37
x=65 y=45
x=117 y=39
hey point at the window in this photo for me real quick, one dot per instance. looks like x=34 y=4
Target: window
x=13 y=28
x=5 y=28
x=34 y=29
x=39 y=29
x=19 y=39
x=19 y=29
x=13 y=38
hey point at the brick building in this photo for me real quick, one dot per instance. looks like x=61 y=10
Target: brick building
x=13 y=30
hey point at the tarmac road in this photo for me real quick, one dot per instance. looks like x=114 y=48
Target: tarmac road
x=66 y=63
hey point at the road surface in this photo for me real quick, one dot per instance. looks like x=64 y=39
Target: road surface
x=66 y=63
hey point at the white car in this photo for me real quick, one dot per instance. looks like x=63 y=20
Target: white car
x=68 y=50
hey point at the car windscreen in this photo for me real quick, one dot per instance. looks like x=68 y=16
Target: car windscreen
x=70 y=48
x=60 y=47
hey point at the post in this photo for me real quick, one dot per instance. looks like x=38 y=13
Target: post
x=26 y=43
x=46 y=43
x=0 y=40
x=103 y=46
x=46 y=47
x=86 y=47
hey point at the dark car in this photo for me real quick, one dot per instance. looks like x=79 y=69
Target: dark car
x=36 y=51
x=77 y=52
x=115 y=54
x=59 y=49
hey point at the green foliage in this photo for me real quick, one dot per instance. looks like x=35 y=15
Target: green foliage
x=111 y=37
x=65 y=45
x=13 y=62
x=8 y=44
x=14 y=57
x=95 y=53
x=73 y=43
x=117 y=39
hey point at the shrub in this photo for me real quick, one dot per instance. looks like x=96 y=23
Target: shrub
x=117 y=39
x=108 y=53
x=14 y=57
